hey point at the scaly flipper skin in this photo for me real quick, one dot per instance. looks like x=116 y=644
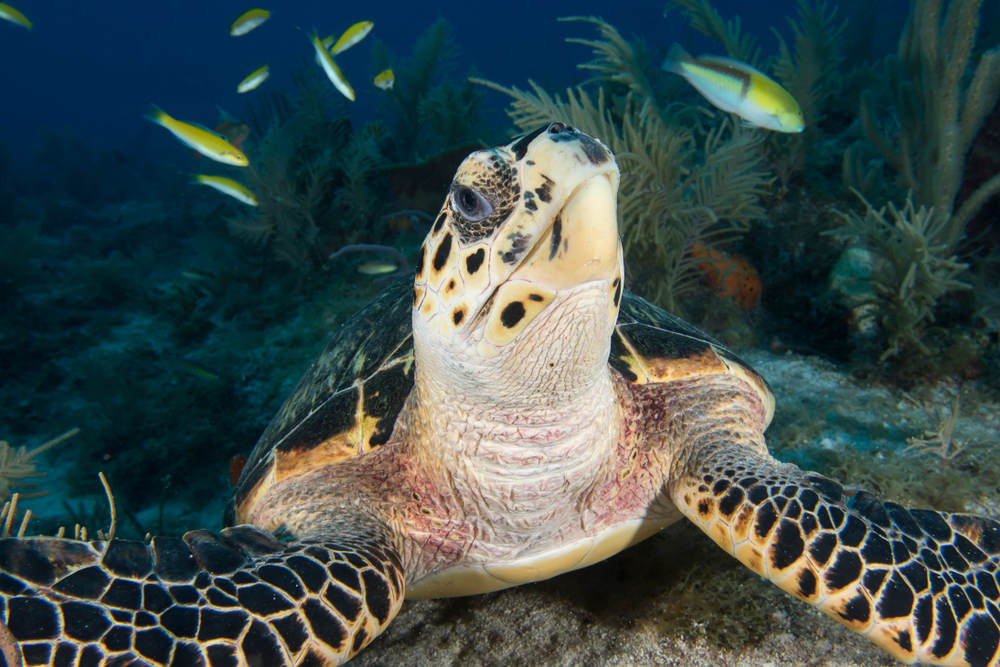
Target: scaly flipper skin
x=236 y=600
x=920 y=584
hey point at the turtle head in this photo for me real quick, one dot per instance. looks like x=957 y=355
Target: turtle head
x=528 y=230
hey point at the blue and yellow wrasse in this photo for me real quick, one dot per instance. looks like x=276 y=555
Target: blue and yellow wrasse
x=227 y=186
x=203 y=140
x=248 y=21
x=738 y=88
x=254 y=79
x=351 y=36
x=196 y=369
x=330 y=67
x=9 y=13
x=377 y=268
x=385 y=79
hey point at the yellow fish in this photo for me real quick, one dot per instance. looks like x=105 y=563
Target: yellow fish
x=738 y=88
x=14 y=16
x=248 y=21
x=196 y=369
x=377 y=268
x=254 y=79
x=385 y=79
x=330 y=67
x=227 y=186
x=351 y=36
x=201 y=139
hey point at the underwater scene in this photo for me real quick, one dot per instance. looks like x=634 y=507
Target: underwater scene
x=195 y=199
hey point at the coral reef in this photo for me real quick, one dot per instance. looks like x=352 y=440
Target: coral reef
x=427 y=118
x=939 y=110
x=684 y=182
x=18 y=464
x=311 y=175
x=918 y=267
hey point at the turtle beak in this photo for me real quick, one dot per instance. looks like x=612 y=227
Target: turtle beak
x=581 y=245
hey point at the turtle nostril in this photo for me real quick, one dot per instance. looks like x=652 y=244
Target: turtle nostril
x=556 y=128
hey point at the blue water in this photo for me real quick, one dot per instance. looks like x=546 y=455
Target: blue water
x=94 y=68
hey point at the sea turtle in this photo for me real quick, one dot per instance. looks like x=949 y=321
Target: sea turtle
x=512 y=415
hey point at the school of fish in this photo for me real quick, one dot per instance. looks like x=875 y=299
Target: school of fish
x=224 y=146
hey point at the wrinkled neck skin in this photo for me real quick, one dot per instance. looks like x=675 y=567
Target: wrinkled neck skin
x=516 y=442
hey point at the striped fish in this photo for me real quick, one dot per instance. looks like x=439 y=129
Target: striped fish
x=738 y=88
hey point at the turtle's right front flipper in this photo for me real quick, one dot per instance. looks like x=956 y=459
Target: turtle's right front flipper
x=920 y=584
x=239 y=599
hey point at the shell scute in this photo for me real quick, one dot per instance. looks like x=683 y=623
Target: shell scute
x=346 y=403
x=651 y=346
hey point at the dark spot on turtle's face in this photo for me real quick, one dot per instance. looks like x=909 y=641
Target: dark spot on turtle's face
x=595 y=152
x=618 y=292
x=519 y=243
x=512 y=313
x=556 y=238
x=529 y=201
x=443 y=251
x=458 y=316
x=451 y=284
x=530 y=163
x=535 y=297
x=474 y=261
x=544 y=192
x=420 y=259
x=520 y=147
x=440 y=221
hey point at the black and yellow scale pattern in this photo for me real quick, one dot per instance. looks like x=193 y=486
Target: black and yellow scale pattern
x=239 y=599
x=921 y=584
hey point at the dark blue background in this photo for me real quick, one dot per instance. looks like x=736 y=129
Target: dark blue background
x=95 y=67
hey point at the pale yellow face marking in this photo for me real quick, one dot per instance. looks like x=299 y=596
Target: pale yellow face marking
x=475 y=257
x=517 y=304
x=453 y=287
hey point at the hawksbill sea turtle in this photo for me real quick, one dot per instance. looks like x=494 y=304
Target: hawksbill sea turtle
x=510 y=415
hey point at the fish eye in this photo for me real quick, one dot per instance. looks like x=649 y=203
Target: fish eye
x=470 y=204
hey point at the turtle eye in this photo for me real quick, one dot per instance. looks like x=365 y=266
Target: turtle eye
x=472 y=205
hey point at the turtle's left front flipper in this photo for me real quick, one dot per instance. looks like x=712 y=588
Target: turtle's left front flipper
x=921 y=584
x=239 y=599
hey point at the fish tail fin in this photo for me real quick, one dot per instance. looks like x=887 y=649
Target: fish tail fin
x=676 y=57
x=157 y=115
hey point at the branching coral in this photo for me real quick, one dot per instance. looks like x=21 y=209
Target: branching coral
x=680 y=185
x=941 y=442
x=19 y=464
x=919 y=268
x=310 y=174
x=810 y=75
x=706 y=20
x=939 y=108
x=449 y=112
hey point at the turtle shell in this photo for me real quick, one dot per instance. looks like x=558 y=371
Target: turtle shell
x=345 y=405
x=650 y=345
